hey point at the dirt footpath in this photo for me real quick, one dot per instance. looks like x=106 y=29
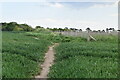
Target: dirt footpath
x=49 y=58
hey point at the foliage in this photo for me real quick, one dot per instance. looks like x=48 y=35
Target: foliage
x=13 y=26
x=42 y=30
x=38 y=27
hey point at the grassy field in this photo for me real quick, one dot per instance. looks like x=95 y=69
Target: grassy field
x=86 y=59
x=22 y=52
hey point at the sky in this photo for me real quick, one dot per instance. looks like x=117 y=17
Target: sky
x=80 y=15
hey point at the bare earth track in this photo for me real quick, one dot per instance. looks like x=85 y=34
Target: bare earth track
x=49 y=58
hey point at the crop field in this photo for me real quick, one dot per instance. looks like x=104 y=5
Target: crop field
x=22 y=53
x=86 y=59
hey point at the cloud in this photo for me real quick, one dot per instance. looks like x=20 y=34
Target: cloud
x=79 y=5
x=58 y=5
x=104 y=5
x=52 y=4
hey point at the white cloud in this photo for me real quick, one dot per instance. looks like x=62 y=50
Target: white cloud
x=57 y=5
x=115 y=4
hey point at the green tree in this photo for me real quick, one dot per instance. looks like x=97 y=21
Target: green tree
x=11 y=26
x=38 y=27
x=16 y=28
x=26 y=27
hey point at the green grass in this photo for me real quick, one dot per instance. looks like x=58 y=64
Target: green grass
x=22 y=54
x=107 y=38
x=17 y=66
x=85 y=60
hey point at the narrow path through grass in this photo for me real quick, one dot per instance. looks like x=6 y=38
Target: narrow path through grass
x=49 y=58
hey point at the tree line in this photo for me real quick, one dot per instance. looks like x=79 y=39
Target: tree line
x=14 y=26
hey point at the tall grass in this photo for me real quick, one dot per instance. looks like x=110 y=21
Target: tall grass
x=22 y=54
x=97 y=59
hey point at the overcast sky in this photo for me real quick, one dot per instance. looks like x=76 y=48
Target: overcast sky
x=96 y=15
